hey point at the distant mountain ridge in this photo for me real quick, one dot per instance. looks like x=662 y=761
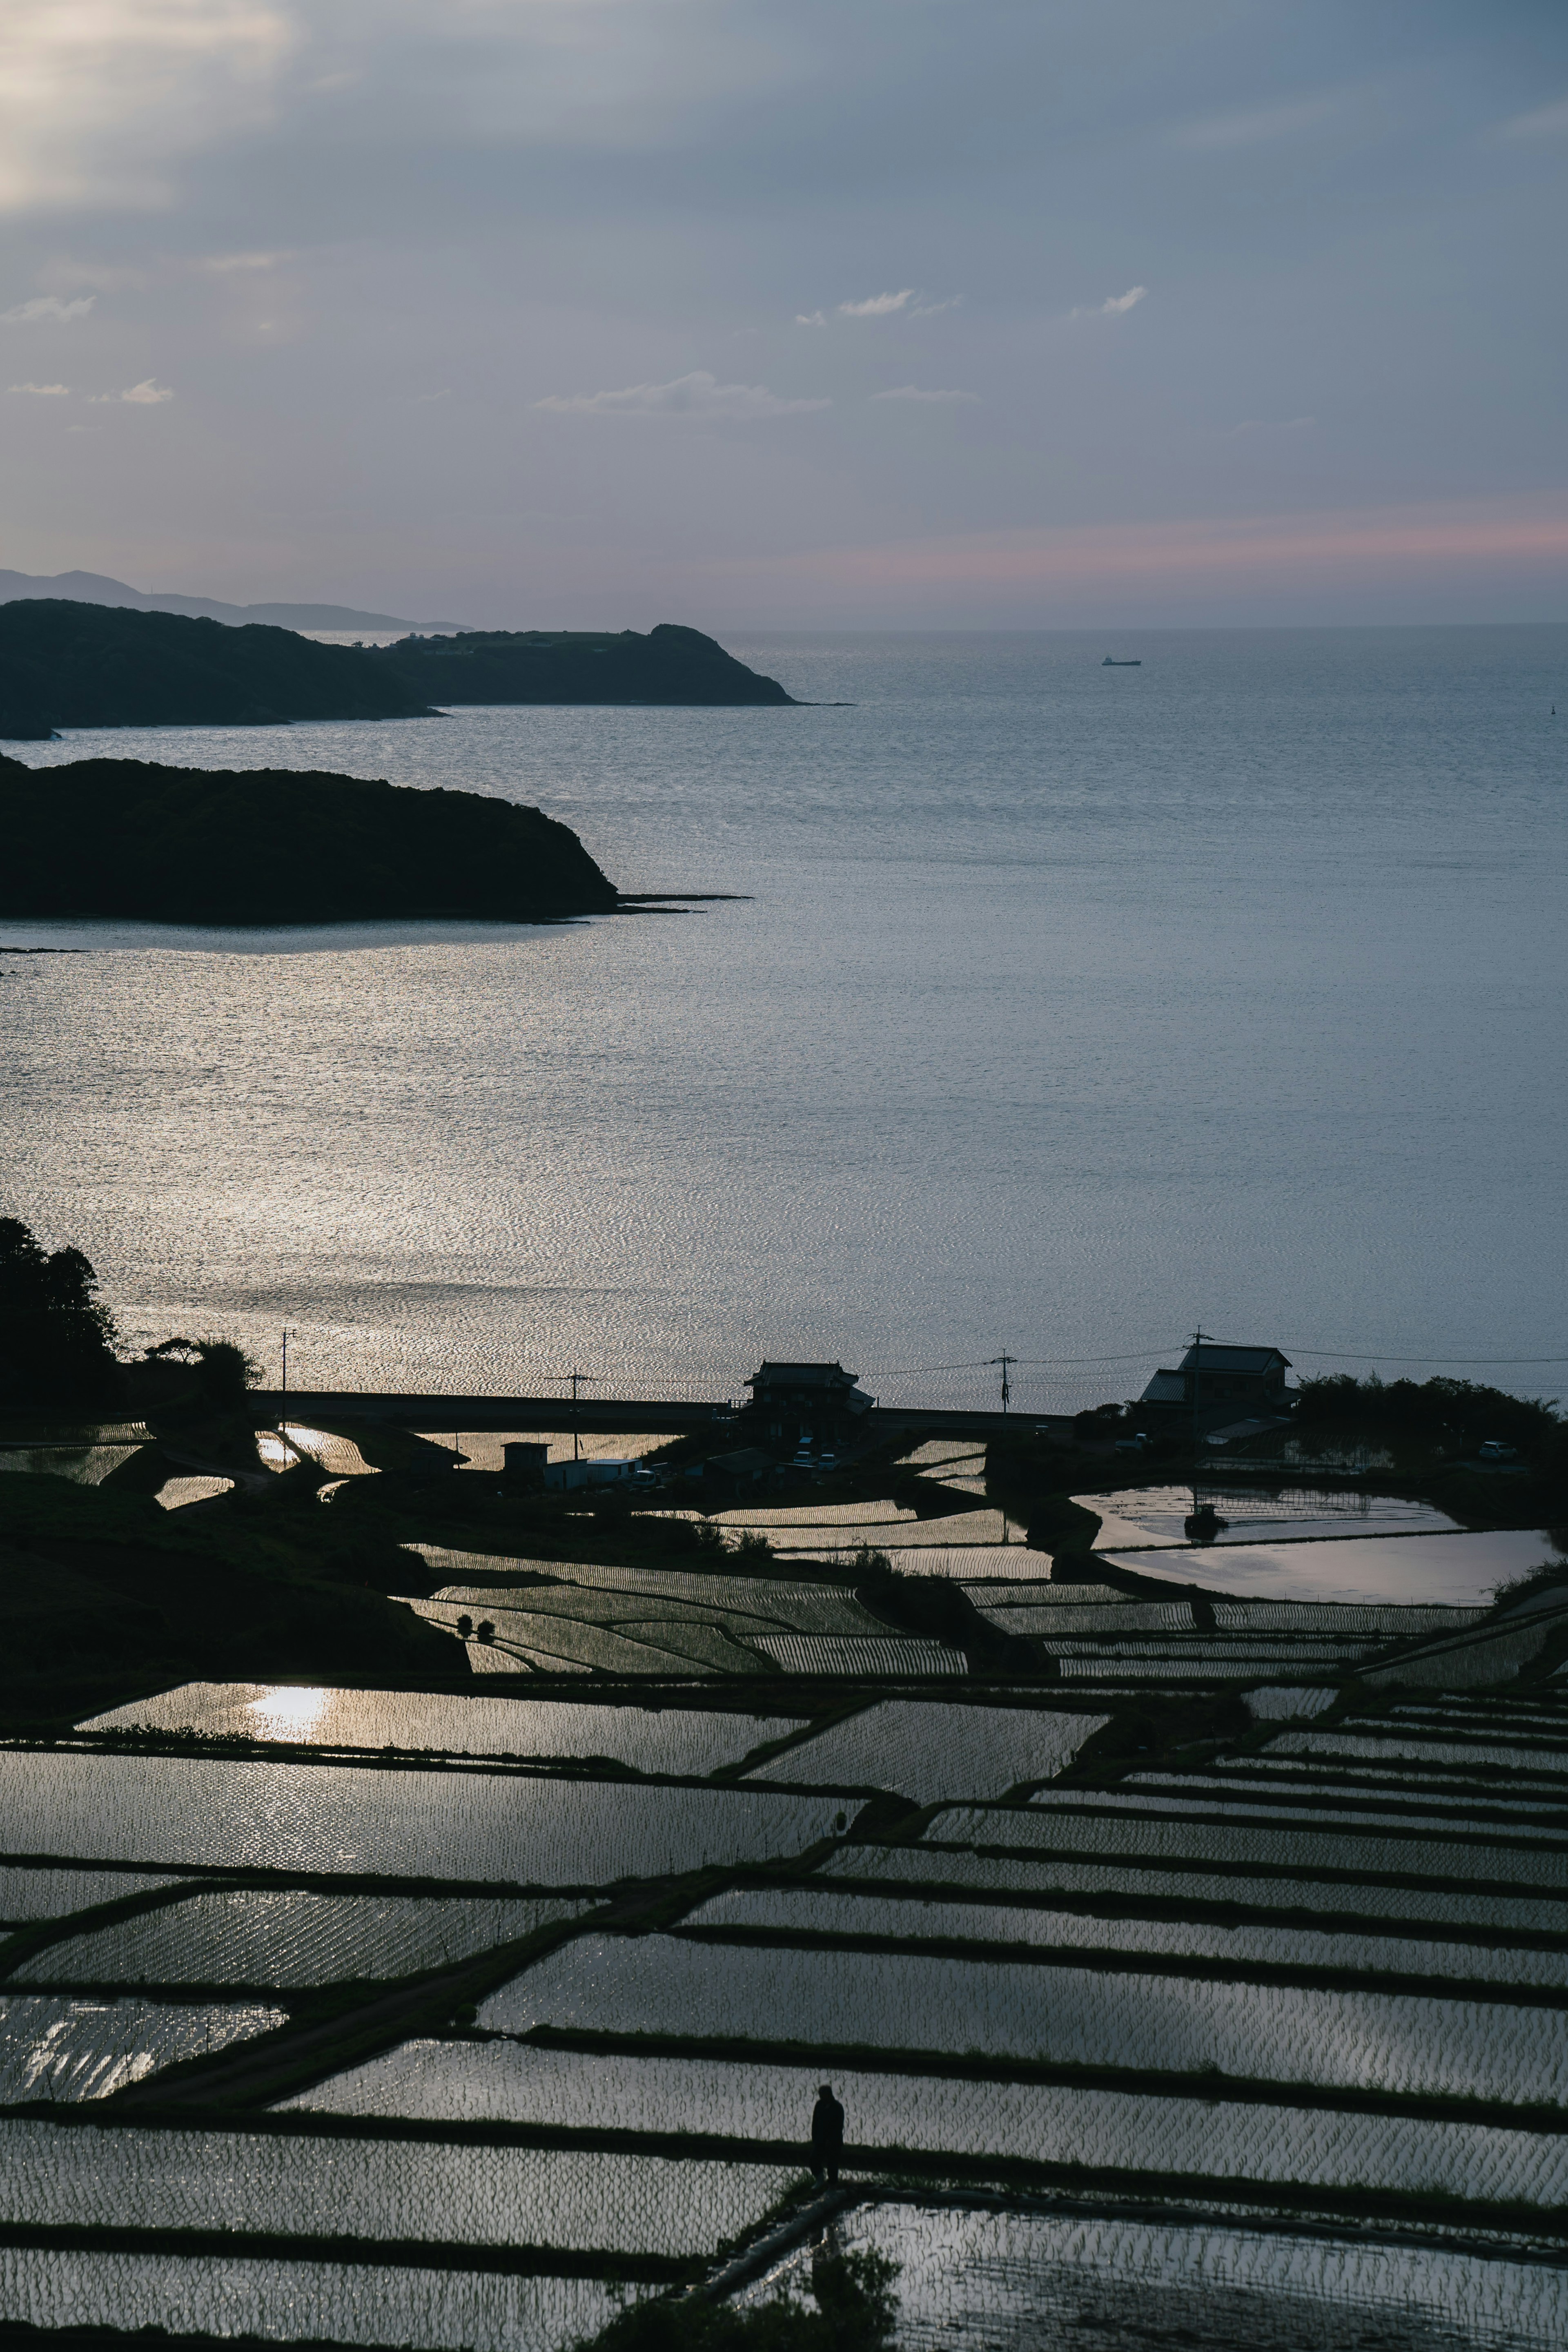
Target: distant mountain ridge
x=97 y=588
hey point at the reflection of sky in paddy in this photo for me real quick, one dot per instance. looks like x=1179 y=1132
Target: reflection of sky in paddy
x=1157 y=1515
x=1460 y=1568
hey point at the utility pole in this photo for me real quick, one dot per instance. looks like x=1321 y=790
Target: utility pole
x=1197 y=1340
x=1004 y=1360
x=575 y=1424
x=284 y=1414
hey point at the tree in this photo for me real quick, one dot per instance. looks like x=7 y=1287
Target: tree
x=57 y=1339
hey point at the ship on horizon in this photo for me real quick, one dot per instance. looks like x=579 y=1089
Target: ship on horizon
x=1111 y=662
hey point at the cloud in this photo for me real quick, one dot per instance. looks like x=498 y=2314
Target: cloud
x=423 y=399
x=1114 y=304
x=99 y=97
x=145 y=394
x=810 y=318
x=1256 y=126
x=699 y=394
x=935 y=310
x=225 y=265
x=877 y=306
x=1543 y=122
x=917 y=392
x=43 y=391
x=47 y=306
x=1272 y=424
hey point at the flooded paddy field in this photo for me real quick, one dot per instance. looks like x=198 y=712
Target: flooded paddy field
x=1188 y=1952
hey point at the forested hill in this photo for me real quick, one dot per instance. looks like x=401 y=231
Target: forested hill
x=124 y=837
x=68 y=665
x=669 y=665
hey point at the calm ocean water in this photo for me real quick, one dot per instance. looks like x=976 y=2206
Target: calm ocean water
x=1068 y=1007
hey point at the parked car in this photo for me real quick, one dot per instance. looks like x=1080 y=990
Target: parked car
x=1494 y=1450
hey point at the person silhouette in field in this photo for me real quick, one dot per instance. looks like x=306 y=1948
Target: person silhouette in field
x=827 y=2135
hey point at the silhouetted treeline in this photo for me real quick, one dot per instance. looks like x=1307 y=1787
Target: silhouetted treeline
x=1446 y=1414
x=56 y=1341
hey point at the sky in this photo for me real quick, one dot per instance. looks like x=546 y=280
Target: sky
x=792 y=314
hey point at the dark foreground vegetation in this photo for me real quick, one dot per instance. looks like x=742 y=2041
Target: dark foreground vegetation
x=65 y=665
x=277 y=846
x=669 y=665
x=68 y=665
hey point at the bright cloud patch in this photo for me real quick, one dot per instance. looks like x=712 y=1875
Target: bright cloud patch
x=1543 y=122
x=877 y=306
x=47 y=306
x=918 y=391
x=145 y=394
x=99 y=97
x=1117 y=302
x=700 y=395
x=43 y=391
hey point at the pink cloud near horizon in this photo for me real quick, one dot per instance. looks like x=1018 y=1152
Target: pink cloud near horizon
x=1366 y=546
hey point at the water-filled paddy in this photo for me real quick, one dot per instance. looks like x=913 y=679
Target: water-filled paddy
x=684 y=1741
x=288 y=1938
x=1207 y=2138
x=1029 y=2283
x=1462 y=1569
x=1063 y=2016
x=52 y=2047
x=164 y=2179
x=495 y=1827
x=925 y=1750
x=383 y=2305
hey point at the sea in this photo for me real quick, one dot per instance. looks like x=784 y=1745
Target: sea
x=1056 y=1011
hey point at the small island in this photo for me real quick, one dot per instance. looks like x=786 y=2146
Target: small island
x=128 y=838
x=70 y=665
x=670 y=665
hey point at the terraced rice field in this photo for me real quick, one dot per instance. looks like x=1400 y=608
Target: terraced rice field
x=1014 y=2281
x=346 y=2303
x=496 y=1828
x=28 y=1894
x=1459 y=1571
x=1011 y=1563
x=57 y=2049
x=886 y=1658
x=1234 y=1986
x=84 y=1465
x=925 y=1750
x=807 y=1911
x=689 y=1743
x=339 y=1457
x=1353 y=2040
x=1157 y=1514
x=1200 y=2136
x=1296 y=1844
x=1043 y=1878
x=175 y=1493
x=404 y=2191
x=254 y=1935
x=647 y=1622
